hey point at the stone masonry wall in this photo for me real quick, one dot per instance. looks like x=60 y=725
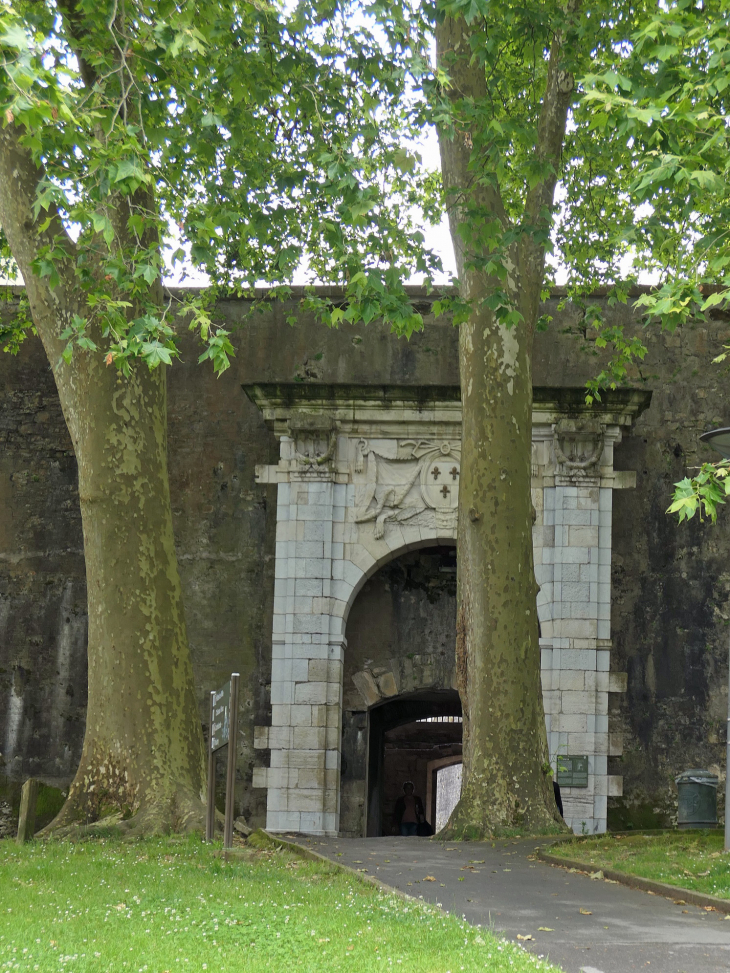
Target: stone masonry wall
x=670 y=615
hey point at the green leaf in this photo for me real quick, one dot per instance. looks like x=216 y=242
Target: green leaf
x=129 y=169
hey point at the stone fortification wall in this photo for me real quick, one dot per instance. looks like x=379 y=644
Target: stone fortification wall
x=670 y=585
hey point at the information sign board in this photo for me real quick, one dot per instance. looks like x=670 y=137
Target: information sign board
x=572 y=771
x=220 y=726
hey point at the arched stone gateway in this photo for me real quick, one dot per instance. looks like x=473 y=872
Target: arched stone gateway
x=369 y=473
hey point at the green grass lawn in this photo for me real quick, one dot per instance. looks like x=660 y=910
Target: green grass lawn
x=174 y=905
x=692 y=860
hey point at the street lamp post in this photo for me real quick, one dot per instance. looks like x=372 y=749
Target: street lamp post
x=719 y=439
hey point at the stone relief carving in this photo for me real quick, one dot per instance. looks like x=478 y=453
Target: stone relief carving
x=578 y=446
x=401 y=480
x=315 y=438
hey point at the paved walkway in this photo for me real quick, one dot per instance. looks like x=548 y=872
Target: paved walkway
x=503 y=887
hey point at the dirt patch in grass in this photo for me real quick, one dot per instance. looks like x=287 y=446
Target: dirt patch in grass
x=692 y=860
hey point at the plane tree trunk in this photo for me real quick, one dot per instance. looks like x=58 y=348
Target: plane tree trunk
x=143 y=754
x=507 y=782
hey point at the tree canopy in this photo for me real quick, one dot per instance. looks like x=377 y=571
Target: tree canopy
x=244 y=138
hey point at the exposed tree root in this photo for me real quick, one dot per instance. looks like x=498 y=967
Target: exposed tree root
x=471 y=823
x=182 y=813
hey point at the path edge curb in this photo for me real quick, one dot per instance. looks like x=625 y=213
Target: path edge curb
x=308 y=853
x=635 y=882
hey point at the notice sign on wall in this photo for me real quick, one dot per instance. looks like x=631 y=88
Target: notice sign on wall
x=572 y=771
x=220 y=726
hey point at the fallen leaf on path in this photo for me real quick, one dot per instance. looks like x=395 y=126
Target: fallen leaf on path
x=585 y=912
x=545 y=929
x=429 y=878
x=476 y=861
x=597 y=875
x=709 y=908
x=524 y=938
x=679 y=902
x=506 y=869
x=461 y=878
x=356 y=862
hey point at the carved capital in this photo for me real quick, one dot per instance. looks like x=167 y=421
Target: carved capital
x=578 y=447
x=315 y=439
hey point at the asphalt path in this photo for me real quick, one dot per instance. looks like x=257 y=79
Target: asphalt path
x=589 y=925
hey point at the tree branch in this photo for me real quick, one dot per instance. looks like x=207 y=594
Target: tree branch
x=19 y=180
x=552 y=124
x=73 y=18
x=468 y=83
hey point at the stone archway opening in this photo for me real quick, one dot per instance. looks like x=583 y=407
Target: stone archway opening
x=398 y=685
x=410 y=737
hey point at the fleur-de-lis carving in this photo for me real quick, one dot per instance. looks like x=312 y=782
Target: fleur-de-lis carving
x=435 y=473
x=454 y=472
x=444 y=491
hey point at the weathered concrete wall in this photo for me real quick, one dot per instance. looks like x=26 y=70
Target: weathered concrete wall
x=670 y=585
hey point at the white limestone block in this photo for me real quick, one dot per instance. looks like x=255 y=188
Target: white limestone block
x=568 y=723
x=577 y=518
x=583 y=659
x=574 y=554
x=572 y=679
x=579 y=742
x=583 y=537
x=579 y=628
x=577 y=702
x=310 y=692
x=309 y=737
x=301 y=715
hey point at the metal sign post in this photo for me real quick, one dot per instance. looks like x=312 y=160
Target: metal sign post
x=232 y=754
x=223 y=730
x=210 y=815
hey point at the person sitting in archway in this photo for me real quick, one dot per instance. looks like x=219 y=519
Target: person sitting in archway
x=408 y=811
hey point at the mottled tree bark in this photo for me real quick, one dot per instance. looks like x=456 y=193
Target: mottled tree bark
x=506 y=779
x=143 y=752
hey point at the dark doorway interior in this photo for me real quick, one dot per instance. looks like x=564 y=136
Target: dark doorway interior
x=410 y=738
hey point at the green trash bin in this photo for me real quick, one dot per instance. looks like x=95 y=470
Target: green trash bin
x=697 y=799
